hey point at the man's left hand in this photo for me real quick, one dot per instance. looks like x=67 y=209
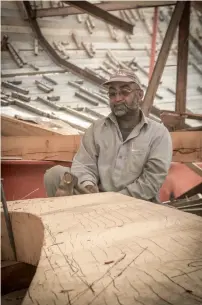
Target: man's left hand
x=88 y=189
x=92 y=188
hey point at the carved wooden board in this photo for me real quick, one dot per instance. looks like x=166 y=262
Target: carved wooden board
x=107 y=249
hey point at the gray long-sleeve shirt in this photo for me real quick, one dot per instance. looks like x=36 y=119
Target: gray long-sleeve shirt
x=136 y=167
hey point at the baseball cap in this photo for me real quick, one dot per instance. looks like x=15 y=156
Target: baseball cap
x=124 y=75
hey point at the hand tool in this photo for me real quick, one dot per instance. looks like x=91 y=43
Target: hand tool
x=8 y=222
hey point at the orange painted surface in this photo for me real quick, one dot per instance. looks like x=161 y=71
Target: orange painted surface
x=180 y=179
x=24 y=179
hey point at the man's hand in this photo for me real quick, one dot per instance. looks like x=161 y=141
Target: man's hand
x=88 y=189
x=69 y=186
x=61 y=193
x=66 y=186
x=92 y=188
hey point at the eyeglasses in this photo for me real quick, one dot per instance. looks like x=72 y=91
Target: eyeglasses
x=122 y=92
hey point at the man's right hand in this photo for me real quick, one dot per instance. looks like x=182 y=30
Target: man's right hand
x=66 y=186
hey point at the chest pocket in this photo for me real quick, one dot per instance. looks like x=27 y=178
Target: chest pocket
x=137 y=157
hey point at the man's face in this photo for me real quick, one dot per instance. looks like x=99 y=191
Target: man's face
x=124 y=98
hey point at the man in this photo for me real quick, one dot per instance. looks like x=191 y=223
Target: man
x=124 y=152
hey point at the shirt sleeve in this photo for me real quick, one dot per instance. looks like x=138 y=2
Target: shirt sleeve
x=84 y=165
x=155 y=170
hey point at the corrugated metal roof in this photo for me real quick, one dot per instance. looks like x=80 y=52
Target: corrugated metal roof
x=78 y=93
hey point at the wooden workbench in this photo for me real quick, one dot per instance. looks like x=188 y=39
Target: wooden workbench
x=107 y=249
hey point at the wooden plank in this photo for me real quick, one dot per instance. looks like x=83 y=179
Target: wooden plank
x=14 y=127
x=182 y=63
x=26 y=71
x=14 y=87
x=42 y=147
x=188 y=115
x=162 y=58
x=187 y=147
x=107 y=248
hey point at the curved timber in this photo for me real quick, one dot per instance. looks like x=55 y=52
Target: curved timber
x=109 y=248
x=53 y=54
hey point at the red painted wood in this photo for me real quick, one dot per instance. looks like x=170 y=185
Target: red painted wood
x=180 y=179
x=23 y=179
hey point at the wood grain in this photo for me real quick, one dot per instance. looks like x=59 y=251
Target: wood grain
x=41 y=148
x=108 y=249
x=187 y=147
x=14 y=127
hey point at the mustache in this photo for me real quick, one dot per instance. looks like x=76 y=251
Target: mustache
x=123 y=105
x=119 y=105
x=133 y=106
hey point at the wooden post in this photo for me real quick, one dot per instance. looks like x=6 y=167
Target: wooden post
x=163 y=55
x=182 y=62
x=153 y=46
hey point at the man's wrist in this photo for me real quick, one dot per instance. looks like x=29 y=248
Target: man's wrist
x=85 y=183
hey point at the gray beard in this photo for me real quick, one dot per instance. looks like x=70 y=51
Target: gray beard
x=119 y=110
x=122 y=109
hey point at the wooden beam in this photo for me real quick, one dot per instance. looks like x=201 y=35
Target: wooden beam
x=61 y=148
x=105 y=5
x=14 y=127
x=187 y=115
x=187 y=147
x=95 y=243
x=182 y=63
x=172 y=119
x=97 y=12
x=162 y=58
x=21 y=9
x=153 y=44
